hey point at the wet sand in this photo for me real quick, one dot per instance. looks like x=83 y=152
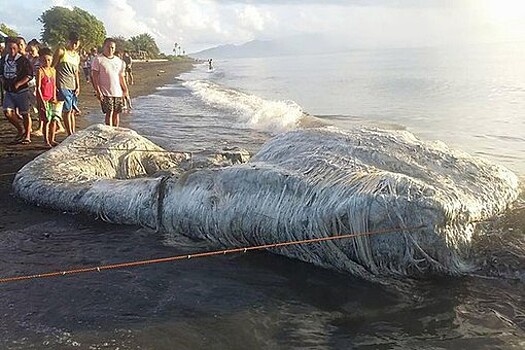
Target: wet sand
x=18 y=215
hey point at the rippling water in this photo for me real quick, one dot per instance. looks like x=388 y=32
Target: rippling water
x=471 y=99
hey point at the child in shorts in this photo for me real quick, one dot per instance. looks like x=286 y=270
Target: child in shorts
x=49 y=108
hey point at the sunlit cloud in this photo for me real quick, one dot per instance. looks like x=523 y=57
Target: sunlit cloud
x=198 y=24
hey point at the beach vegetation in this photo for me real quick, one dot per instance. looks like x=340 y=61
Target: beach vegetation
x=59 y=21
x=145 y=43
x=8 y=31
x=171 y=57
x=123 y=44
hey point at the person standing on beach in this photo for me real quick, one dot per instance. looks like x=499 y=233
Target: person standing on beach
x=109 y=81
x=92 y=55
x=67 y=63
x=127 y=107
x=23 y=50
x=86 y=66
x=47 y=97
x=15 y=73
x=22 y=45
x=129 y=67
x=2 y=51
x=32 y=55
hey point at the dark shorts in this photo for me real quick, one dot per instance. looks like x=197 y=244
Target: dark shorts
x=111 y=104
x=14 y=100
x=69 y=98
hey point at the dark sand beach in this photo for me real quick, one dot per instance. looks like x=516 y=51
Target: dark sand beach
x=16 y=214
x=256 y=300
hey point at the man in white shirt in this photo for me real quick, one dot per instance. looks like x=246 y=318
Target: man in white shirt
x=108 y=77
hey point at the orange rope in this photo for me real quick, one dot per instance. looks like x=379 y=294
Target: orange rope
x=134 y=150
x=201 y=255
x=7 y=174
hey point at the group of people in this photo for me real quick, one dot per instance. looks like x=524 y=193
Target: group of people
x=37 y=79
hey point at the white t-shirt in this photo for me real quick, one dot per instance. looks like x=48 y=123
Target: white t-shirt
x=110 y=70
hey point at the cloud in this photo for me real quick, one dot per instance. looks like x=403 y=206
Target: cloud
x=353 y=3
x=198 y=24
x=252 y=19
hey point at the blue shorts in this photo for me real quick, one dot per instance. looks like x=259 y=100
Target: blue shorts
x=14 y=100
x=69 y=98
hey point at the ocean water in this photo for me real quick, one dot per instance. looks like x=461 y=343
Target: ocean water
x=470 y=98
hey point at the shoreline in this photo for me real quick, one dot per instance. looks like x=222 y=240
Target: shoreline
x=148 y=76
x=18 y=215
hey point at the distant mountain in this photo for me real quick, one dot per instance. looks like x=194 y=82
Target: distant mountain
x=298 y=45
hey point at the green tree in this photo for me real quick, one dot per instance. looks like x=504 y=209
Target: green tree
x=123 y=44
x=10 y=32
x=60 y=21
x=145 y=42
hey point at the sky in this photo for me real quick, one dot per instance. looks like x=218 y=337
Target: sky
x=201 y=24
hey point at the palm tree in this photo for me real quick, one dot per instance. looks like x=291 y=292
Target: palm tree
x=7 y=31
x=145 y=42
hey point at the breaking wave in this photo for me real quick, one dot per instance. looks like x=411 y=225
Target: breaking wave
x=302 y=184
x=251 y=111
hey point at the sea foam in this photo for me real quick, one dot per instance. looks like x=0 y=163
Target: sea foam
x=251 y=111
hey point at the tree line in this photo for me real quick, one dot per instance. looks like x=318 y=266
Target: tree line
x=59 y=21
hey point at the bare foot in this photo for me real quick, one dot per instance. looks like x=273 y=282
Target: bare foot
x=54 y=143
x=60 y=129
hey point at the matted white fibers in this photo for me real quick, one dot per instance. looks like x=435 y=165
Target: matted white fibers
x=99 y=171
x=301 y=184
